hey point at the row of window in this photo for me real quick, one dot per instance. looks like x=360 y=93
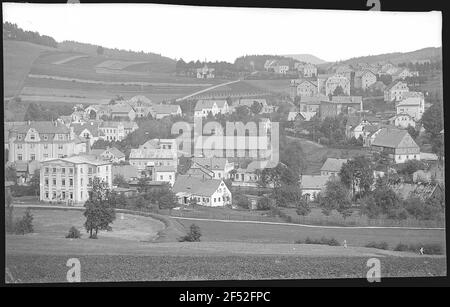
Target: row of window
x=20 y=146
x=215 y=199
x=33 y=156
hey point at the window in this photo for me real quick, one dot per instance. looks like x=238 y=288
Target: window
x=46 y=195
x=54 y=195
x=81 y=181
x=46 y=181
x=71 y=182
x=90 y=181
x=81 y=194
x=71 y=195
x=32 y=137
x=63 y=195
x=63 y=170
x=46 y=170
x=161 y=177
x=63 y=182
x=60 y=146
x=71 y=171
x=54 y=181
x=45 y=156
x=19 y=157
x=19 y=146
x=33 y=157
x=54 y=170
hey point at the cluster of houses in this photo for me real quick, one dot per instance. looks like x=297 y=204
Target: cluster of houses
x=62 y=151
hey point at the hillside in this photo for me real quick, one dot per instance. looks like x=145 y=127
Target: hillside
x=307 y=58
x=18 y=58
x=431 y=53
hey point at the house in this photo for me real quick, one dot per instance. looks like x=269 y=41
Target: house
x=116 y=131
x=321 y=81
x=332 y=167
x=122 y=111
x=306 y=70
x=402 y=74
x=97 y=111
x=364 y=79
x=395 y=91
x=220 y=167
x=281 y=67
x=204 y=107
x=340 y=105
x=249 y=176
x=312 y=185
x=159 y=111
x=354 y=127
x=377 y=87
x=292 y=116
x=141 y=105
x=337 y=80
x=205 y=72
x=24 y=170
x=311 y=104
x=42 y=140
x=111 y=154
x=155 y=152
x=68 y=179
x=269 y=64
x=88 y=130
x=206 y=192
x=164 y=173
x=305 y=88
x=397 y=143
x=413 y=106
x=402 y=120
x=126 y=192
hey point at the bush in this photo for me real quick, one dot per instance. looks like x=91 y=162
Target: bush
x=263 y=203
x=401 y=247
x=25 y=224
x=242 y=201
x=379 y=245
x=193 y=235
x=428 y=249
x=74 y=233
x=322 y=241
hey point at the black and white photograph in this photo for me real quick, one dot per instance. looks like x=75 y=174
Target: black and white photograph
x=181 y=143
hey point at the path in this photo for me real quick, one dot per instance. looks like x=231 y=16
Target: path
x=207 y=89
x=249 y=221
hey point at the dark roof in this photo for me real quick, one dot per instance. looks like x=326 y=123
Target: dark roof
x=44 y=127
x=333 y=164
x=389 y=137
x=196 y=186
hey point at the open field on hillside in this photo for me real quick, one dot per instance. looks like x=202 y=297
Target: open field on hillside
x=17 y=60
x=275 y=86
x=227 y=251
x=34 y=268
x=214 y=231
x=56 y=223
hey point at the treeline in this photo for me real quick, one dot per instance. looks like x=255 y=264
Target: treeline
x=12 y=32
x=422 y=68
x=38 y=112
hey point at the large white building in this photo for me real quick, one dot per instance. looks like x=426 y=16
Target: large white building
x=413 y=104
x=116 y=131
x=335 y=81
x=395 y=91
x=68 y=180
x=42 y=140
x=204 y=107
x=156 y=152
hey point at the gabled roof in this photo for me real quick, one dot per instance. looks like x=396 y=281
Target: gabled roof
x=44 y=127
x=410 y=101
x=208 y=104
x=390 y=137
x=333 y=164
x=80 y=159
x=347 y=99
x=408 y=190
x=195 y=185
x=121 y=108
x=92 y=126
x=313 y=182
x=117 y=153
x=166 y=108
x=390 y=86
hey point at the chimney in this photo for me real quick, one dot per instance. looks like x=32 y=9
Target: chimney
x=88 y=146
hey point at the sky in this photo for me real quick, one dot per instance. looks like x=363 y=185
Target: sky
x=199 y=33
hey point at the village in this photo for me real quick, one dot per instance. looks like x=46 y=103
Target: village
x=245 y=165
x=67 y=153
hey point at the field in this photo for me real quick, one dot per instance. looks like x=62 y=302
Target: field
x=275 y=86
x=17 y=60
x=47 y=75
x=38 y=268
x=227 y=251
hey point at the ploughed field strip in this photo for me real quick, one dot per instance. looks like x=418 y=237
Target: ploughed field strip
x=33 y=268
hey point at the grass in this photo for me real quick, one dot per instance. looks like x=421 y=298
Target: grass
x=34 y=268
x=275 y=86
x=18 y=58
x=213 y=231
